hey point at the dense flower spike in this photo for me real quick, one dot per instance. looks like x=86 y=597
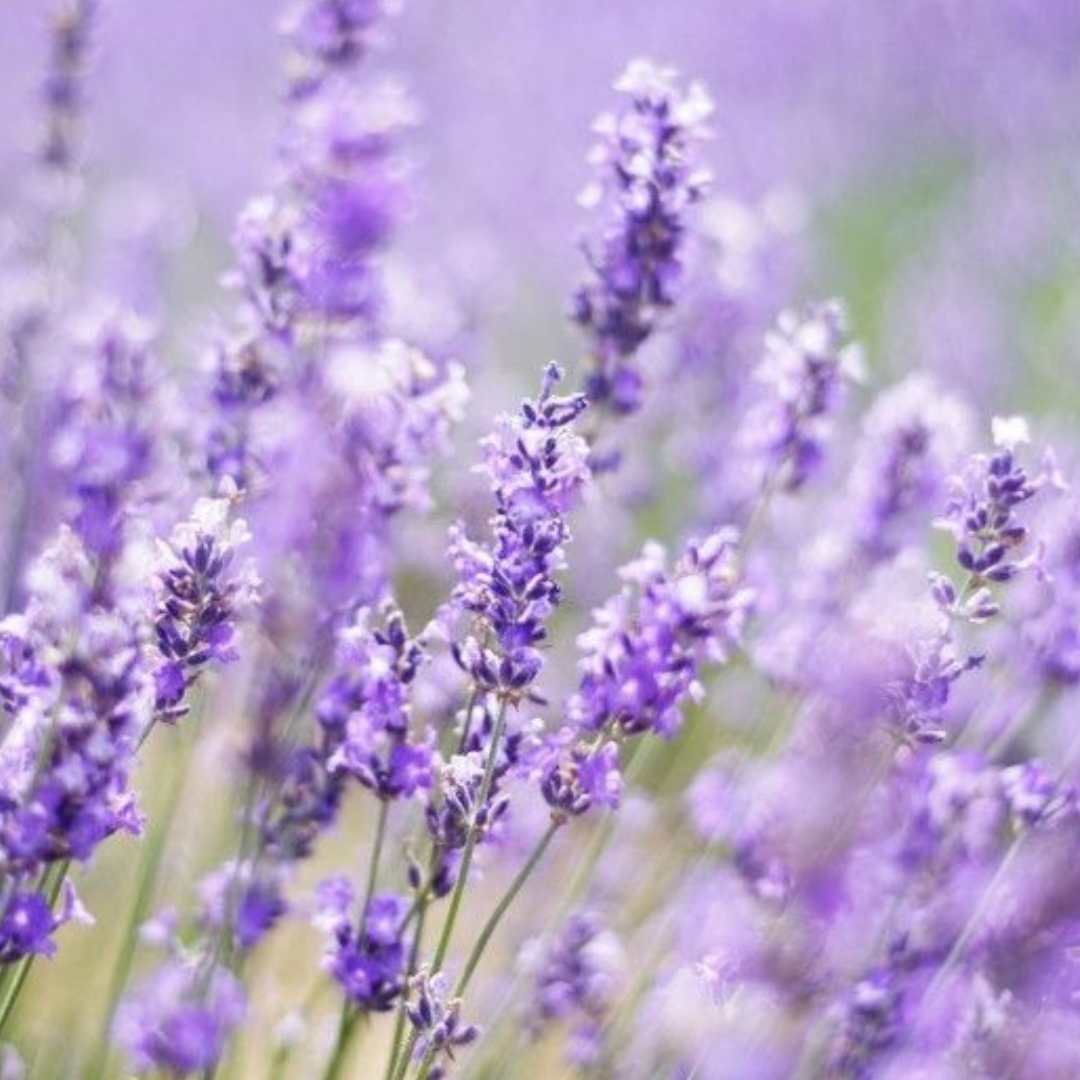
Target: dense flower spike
x=78 y=697
x=644 y=654
x=202 y=595
x=180 y=1020
x=63 y=91
x=648 y=179
x=643 y=660
x=105 y=446
x=536 y=464
x=437 y=1018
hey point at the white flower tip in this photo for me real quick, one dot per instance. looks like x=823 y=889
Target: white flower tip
x=1010 y=431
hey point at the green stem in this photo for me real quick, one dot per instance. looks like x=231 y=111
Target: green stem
x=350 y=1015
x=414 y=956
x=443 y=945
x=54 y=879
x=503 y=905
x=492 y=924
x=148 y=879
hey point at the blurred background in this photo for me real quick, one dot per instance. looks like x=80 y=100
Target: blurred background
x=932 y=143
x=920 y=158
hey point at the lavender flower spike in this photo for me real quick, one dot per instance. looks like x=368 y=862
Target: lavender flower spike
x=992 y=542
x=649 y=179
x=201 y=595
x=643 y=657
x=536 y=464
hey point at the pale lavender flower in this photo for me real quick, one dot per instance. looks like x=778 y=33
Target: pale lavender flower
x=575 y=980
x=809 y=364
x=648 y=178
x=180 y=1019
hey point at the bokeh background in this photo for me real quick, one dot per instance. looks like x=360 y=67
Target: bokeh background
x=920 y=158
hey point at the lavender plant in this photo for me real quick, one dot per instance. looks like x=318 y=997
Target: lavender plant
x=301 y=773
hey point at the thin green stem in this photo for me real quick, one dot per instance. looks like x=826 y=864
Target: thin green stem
x=350 y=1016
x=414 y=956
x=54 y=879
x=443 y=945
x=503 y=905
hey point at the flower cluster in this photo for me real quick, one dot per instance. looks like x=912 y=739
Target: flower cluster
x=849 y=804
x=643 y=660
x=575 y=977
x=367 y=957
x=807 y=367
x=536 y=464
x=202 y=594
x=649 y=179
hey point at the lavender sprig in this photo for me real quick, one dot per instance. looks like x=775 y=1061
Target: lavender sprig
x=649 y=179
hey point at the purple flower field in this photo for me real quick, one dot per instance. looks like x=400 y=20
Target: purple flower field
x=540 y=541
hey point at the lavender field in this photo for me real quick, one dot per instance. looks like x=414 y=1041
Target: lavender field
x=540 y=539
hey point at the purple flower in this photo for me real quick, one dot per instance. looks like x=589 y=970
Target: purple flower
x=201 y=596
x=917 y=700
x=365 y=710
x=26 y=926
x=912 y=437
x=647 y=645
x=437 y=1018
x=72 y=34
x=536 y=465
x=330 y=37
x=648 y=178
x=643 y=657
x=575 y=979
x=981 y=515
x=1036 y=800
x=369 y=965
x=179 y=1021
x=80 y=697
x=808 y=365
x=869 y=1026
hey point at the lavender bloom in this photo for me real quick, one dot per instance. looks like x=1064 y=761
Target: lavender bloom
x=180 y=1019
x=368 y=965
x=240 y=903
x=437 y=1019
x=648 y=176
x=643 y=657
x=917 y=701
x=26 y=927
x=365 y=709
x=808 y=365
x=981 y=517
x=330 y=37
x=575 y=977
x=648 y=644
x=1034 y=798
x=912 y=437
x=363 y=733
x=460 y=811
x=104 y=446
x=77 y=704
x=201 y=596
x=536 y=464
